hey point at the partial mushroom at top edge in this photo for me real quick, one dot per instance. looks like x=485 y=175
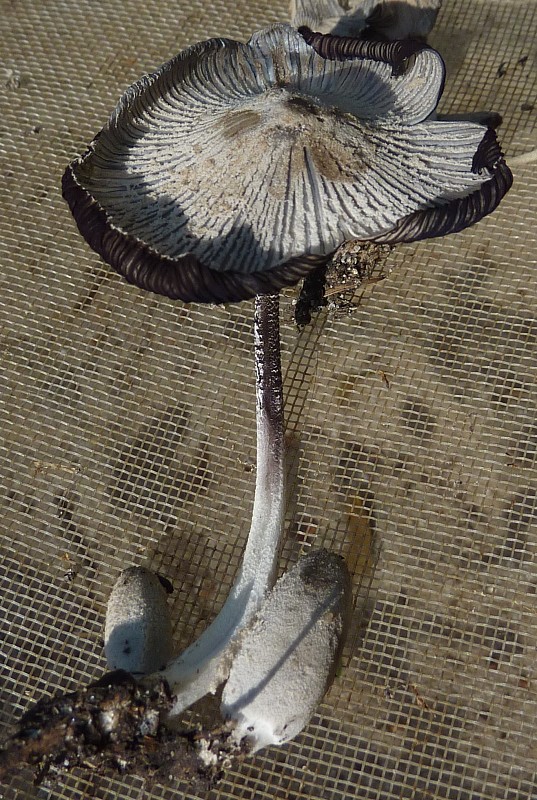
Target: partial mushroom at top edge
x=385 y=19
x=237 y=168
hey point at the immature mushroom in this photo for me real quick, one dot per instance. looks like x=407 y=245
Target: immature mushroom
x=401 y=19
x=235 y=169
x=284 y=660
x=138 y=630
x=288 y=656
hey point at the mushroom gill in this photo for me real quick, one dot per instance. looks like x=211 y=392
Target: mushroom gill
x=235 y=168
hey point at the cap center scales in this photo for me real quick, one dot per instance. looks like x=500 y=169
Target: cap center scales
x=295 y=131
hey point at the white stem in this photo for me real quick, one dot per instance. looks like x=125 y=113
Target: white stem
x=203 y=666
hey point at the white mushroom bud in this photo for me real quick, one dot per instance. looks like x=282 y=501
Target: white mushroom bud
x=288 y=656
x=138 y=630
x=326 y=15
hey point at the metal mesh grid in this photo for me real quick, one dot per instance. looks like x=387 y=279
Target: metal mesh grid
x=128 y=433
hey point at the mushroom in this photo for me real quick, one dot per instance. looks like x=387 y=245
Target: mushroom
x=288 y=655
x=386 y=19
x=284 y=660
x=138 y=629
x=235 y=169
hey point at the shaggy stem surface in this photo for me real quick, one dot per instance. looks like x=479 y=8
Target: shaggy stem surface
x=206 y=663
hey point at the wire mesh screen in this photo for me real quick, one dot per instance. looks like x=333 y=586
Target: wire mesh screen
x=128 y=432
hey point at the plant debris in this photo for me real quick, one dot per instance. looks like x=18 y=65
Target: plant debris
x=115 y=725
x=340 y=284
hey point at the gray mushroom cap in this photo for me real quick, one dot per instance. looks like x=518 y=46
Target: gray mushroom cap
x=236 y=168
x=138 y=629
x=389 y=19
x=288 y=656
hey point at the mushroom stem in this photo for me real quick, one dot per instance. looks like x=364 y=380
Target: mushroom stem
x=203 y=666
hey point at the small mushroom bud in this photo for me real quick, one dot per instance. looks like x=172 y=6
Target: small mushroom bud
x=287 y=658
x=138 y=630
